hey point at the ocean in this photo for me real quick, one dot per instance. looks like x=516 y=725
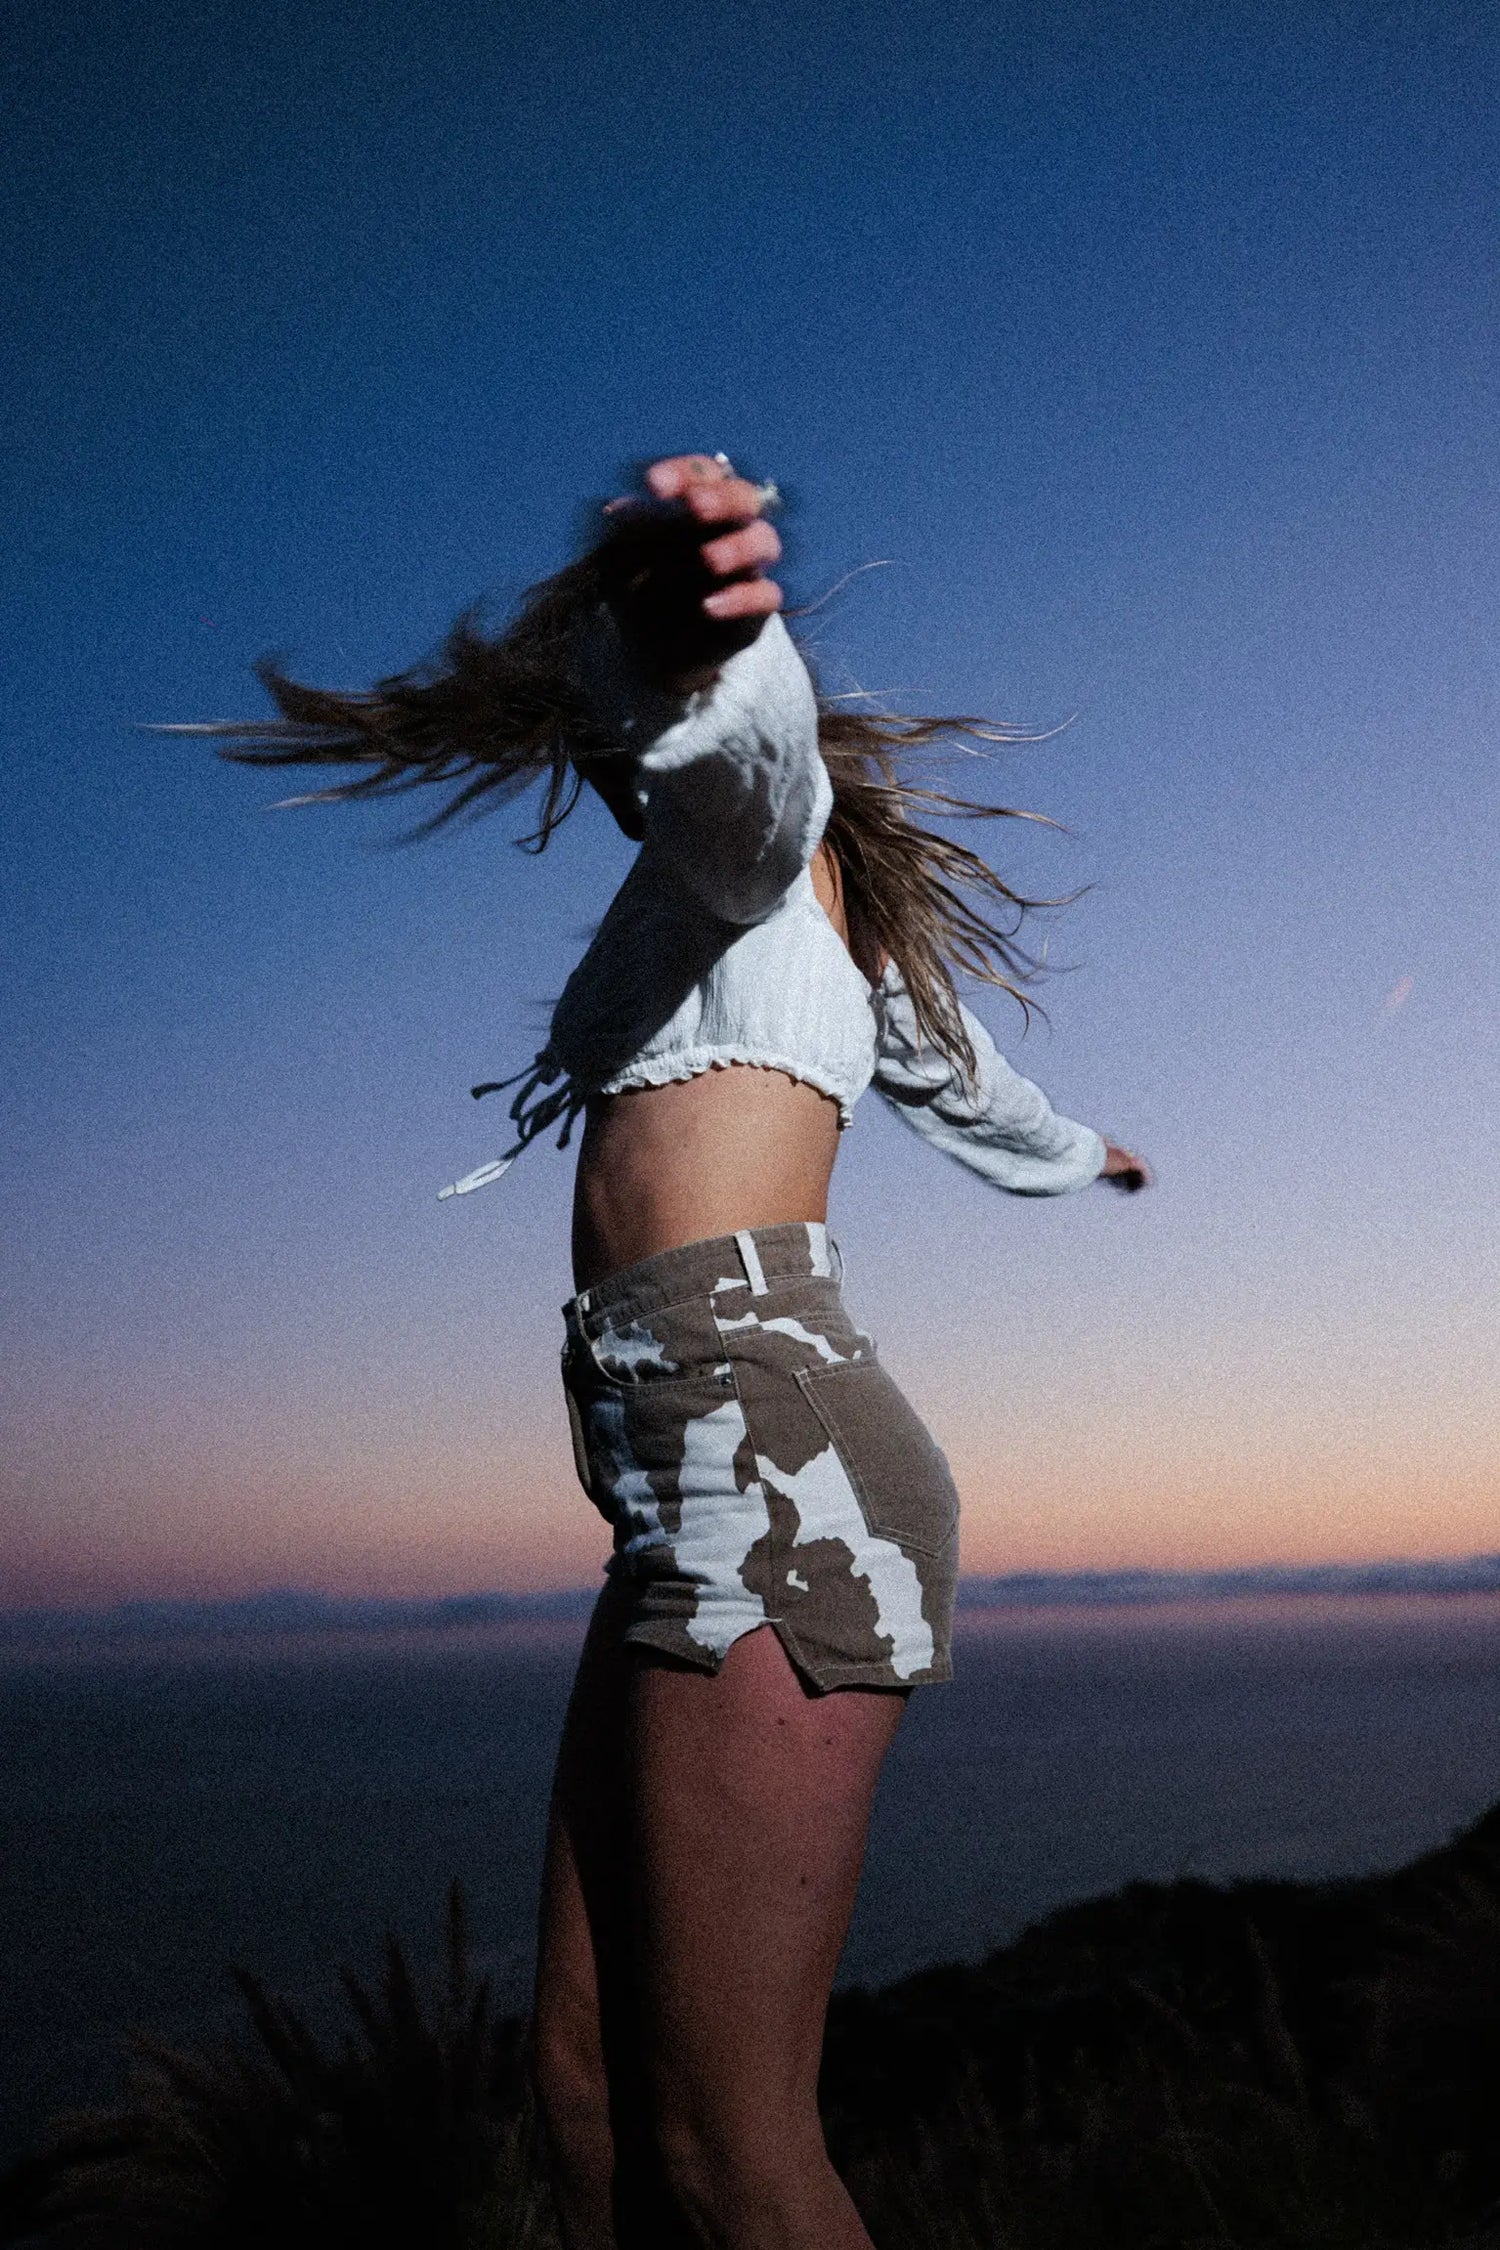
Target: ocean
x=282 y=1801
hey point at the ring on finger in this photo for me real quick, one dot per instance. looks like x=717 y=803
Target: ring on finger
x=767 y=495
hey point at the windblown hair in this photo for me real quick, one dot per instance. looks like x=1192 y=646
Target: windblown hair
x=492 y=713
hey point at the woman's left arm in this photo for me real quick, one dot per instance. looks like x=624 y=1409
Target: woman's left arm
x=1000 y=1125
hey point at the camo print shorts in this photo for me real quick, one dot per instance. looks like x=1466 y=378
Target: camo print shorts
x=758 y=1465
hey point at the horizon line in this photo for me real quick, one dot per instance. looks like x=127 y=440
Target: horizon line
x=291 y=1608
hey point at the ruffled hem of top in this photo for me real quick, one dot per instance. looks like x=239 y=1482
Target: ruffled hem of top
x=549 y=1096
x=692 y=1062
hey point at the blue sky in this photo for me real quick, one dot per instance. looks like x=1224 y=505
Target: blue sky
x=1153 y=351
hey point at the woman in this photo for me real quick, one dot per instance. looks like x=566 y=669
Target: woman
x=784 y=1529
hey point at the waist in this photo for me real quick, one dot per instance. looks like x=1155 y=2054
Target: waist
x=692 y=1161
x=756 y=1257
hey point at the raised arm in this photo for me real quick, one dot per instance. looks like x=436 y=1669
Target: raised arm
x=686 y=567
x=693 y=673
x=1003 y=1127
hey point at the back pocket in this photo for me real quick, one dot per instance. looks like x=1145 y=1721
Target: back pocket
x=901 y=1479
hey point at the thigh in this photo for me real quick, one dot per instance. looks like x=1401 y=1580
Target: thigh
x=583 y=1939
x=751 y=1800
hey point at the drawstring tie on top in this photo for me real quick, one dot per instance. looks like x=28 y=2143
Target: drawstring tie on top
x=532 y=1112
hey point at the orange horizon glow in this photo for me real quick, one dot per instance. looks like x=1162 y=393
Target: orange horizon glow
x=553 y=1540
x=1187 y=1454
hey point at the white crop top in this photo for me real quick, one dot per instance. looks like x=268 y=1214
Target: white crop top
x=715 y=949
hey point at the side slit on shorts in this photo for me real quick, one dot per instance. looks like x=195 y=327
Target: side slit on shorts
x=758 y=1466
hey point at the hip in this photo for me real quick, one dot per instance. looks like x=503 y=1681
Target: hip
x=757 y=1463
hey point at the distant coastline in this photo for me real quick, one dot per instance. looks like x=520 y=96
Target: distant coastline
x=287 y=1610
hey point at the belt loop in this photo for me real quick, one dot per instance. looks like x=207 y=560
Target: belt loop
x=822 y=1250
x=744 y=1242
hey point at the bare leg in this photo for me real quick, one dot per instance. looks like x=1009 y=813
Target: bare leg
x=705 y=1846
x=752 y=1800
x=583 y=1938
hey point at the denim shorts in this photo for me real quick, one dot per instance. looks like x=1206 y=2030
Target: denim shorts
x=758 y=1466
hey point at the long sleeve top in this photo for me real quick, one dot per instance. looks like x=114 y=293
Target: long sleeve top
x=716 y=950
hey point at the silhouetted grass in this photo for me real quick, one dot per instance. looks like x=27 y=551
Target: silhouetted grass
x=1268 y=2066
x=414 y=2129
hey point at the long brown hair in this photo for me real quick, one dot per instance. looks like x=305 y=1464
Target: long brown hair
x=492 y=713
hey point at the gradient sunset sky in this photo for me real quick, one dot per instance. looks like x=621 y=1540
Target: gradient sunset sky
x=1152 y=347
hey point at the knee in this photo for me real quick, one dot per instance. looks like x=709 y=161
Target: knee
x=572 y=2096
x=729 y=2174
x=696 y=2166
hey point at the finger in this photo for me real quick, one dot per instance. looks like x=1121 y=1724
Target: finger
x=725 y=499
x=742 y=550
x=748 y=597
x=671 y=477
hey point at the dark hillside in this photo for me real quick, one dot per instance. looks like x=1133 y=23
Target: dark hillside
x=1268 y=2066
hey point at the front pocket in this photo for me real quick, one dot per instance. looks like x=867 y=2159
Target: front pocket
x=577 y=1433
x=901 y=1479
x=669 y=1344
x=576 y=1369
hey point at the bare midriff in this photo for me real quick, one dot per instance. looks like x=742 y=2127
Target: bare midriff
x=740 y=1146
